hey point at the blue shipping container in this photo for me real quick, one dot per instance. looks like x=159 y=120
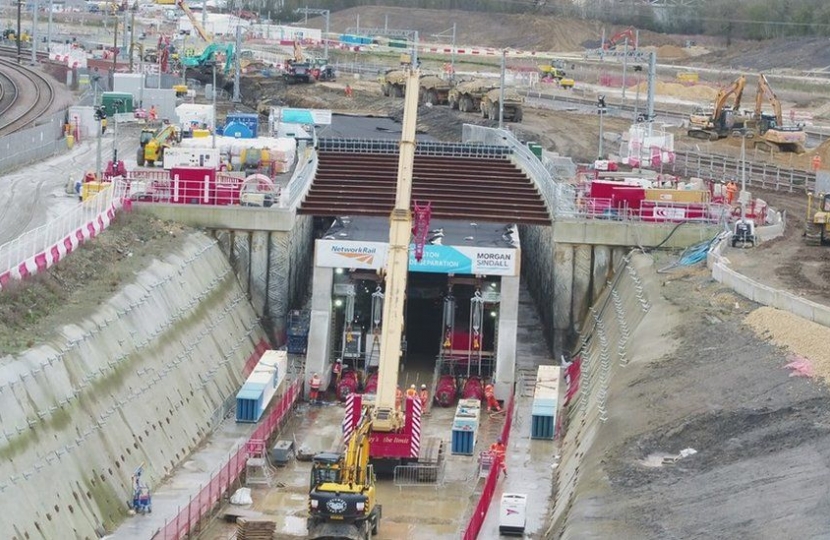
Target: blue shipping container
x=542 y=427
x=463 y=442
x=249 y=404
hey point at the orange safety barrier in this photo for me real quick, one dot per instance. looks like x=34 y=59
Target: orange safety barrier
x=480 y=512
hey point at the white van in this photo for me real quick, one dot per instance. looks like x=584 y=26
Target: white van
x=513 y=514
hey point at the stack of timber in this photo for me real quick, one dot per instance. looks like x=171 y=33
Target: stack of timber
x=255 y=530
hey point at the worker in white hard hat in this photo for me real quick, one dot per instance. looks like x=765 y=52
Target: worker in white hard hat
x=424 y=395
x=411 y=392
x=314 y=388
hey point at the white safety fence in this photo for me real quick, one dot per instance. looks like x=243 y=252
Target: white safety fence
x=38 y=249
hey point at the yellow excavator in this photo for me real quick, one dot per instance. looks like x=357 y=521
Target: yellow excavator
x=818 y=218
x=720 y=121
x=773 y=135
x=342 y=500
x=342 y=497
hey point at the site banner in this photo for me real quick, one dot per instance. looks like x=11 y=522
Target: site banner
x=468 y=260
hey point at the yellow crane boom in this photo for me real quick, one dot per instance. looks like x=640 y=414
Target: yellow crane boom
x=196 y=24
x=385 y=415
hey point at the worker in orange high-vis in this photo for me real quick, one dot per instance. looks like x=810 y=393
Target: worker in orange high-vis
x=424 y=395
x=398 y=397
x=731 y=190
x=411 y=392
x=490 y=396
x=314 y=388
x=498 y=450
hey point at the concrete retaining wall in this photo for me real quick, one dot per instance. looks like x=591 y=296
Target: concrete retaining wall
x=611 y=322
x=565 y=279
x=139 y=382
x=274 y=268
x=758 y=292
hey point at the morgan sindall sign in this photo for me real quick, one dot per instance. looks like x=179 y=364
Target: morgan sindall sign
x=436 y=259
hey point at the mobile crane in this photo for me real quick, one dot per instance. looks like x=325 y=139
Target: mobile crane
x=342 y=499
x=396 y=435
x=773 y=134
x=720 y=121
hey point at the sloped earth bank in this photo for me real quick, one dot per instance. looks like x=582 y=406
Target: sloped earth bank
x=705 y=382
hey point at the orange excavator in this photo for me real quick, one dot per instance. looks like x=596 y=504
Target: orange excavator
x=619 y=38
x=719 y=121
x=773 y=135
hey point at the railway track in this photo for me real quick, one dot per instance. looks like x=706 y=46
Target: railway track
x=33 y=96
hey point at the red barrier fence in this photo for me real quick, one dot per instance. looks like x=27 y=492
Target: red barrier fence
x=200 y=505
x=477 y=519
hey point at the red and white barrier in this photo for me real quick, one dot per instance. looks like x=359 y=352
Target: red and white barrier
x=53 y=251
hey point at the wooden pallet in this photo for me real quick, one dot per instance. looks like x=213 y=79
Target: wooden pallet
x=255 y=530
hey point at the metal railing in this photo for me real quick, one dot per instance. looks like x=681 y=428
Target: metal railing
x=189 y=518
x=33 y=144
x=609 y=209
x=763 y=175
x=301 y=180
x=38 y=241
x=419 y=475
x=558 y=196
x=422 y=148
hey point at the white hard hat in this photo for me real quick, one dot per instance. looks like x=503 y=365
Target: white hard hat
x=423 y=387
x=413 y=386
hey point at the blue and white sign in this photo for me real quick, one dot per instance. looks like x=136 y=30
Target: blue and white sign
x=303 y=116
x=482 y=261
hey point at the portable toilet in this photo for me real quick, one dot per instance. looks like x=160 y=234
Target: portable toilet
x=513 y=514
x=545 y=403
x=465 y=426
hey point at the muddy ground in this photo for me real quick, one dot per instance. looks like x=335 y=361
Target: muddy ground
x=72 y=290
x=761 y=436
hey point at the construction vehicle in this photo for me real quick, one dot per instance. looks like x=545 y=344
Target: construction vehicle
x=142 y=501
x=719 y=121
x=395 y=435
x=10 y=35
x=467 y=96
x=206 y=57
x=434 y=90
x=550 y=72
x=818 y=217
x=772 y=134
x=393 y=83
x=619 y=38
x=300 y=69
x=512 y=109
x=342 y=499
x=152 y=144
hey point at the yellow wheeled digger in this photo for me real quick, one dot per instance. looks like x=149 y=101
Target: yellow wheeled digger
x=817 y=226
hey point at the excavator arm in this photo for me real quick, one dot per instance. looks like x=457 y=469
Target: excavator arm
x=736 y=89
x=356 y=459
x=765 y=91
x=298 y=52
x=385 y=415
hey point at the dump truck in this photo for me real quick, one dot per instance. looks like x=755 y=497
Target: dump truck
x=393 y=83
x=512 y=105
x=467 y=96
x=434 y=90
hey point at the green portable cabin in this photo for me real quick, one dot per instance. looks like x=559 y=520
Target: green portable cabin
x=109 y=99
